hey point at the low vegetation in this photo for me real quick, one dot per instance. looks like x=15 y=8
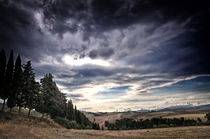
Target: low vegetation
x=12 y=119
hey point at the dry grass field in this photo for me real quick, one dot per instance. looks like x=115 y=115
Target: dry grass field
x=111 y=117
x=9 y=131
x=14 y=126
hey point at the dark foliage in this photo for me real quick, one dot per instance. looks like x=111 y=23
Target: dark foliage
x=2 y=76
x=126 y=123
x=9 y=81
x=208 y=118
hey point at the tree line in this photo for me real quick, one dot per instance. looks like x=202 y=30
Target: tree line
x=19 y=88
x=127 y=123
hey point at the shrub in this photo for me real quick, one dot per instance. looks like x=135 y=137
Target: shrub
x=208 y=118
x=66 y=123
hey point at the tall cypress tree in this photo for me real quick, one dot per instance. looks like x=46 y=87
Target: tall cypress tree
x=18 y=82
x=9 y=78
x=2 y=76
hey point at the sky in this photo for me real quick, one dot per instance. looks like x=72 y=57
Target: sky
x=115 y=55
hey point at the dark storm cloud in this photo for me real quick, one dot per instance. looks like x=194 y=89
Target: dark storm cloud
x=93 y=17
x=93 y=72
x=19 y=29
x=86 y=73
x=101 y=53
x=109 y=14
x=149 y=43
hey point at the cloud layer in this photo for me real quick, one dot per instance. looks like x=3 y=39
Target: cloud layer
x=112 y=51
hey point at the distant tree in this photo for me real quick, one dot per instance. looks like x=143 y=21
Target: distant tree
x=208 y=117
x=98 y=127
x=9 y=81
x=95 y=126
x=199 y=120
x=3 y=94
x=106 y=123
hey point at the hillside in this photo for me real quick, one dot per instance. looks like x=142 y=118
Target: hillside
x=7 y=118
x=112 y=116
x=13 y=125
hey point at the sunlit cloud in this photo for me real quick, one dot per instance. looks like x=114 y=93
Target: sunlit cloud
x=67 y=59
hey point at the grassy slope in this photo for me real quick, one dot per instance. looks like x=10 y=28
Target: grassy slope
x=7 y=118
x=13 y=125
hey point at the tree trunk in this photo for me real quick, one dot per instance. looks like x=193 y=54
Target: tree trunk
x=19 y=110
x=3 y=106
x=29 y=111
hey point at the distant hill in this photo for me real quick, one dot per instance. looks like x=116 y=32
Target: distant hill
x=172 y=108
x=189 y=112
x=185 y=107
x=182 y=107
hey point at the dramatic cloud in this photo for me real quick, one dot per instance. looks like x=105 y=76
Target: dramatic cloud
x=136 y=53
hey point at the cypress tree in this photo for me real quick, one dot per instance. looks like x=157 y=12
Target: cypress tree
x=9 y=80
x=52 y=98
x=31 y=87
x=17 y=84
x=44 y=96
x=98 y=127
x=76 y=113
x=70 y=110
x=79 y=117
x=2 y=76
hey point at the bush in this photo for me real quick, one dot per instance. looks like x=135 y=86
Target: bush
x=70 y=124
x=66 y=123
x=208 y=117
x=162 y=126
